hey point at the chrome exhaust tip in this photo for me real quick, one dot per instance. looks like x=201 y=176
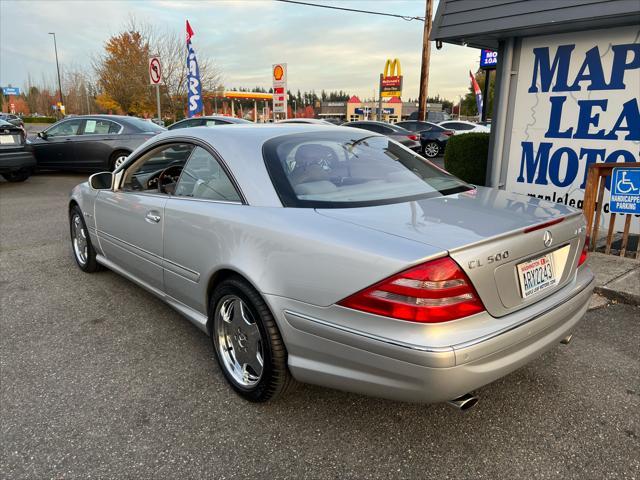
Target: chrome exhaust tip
x=566 y=340
x=464 y=402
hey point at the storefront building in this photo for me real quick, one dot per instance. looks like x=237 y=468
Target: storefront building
x=567 y=91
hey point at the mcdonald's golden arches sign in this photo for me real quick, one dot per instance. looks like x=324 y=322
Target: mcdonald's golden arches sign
x=391 y=81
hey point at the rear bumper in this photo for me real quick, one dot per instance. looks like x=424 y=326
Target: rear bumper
x=325 y=353
x=12 y=160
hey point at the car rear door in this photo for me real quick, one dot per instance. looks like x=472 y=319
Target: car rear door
x=96 y=143
x=198 y=227
x=130 y=220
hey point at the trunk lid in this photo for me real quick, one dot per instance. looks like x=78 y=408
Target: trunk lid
x=476 y=228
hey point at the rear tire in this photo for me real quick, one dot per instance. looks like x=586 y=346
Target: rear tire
x=247 y=343
x=118 y=158
x=17 y=176
x=431 y=149
x=83 y=251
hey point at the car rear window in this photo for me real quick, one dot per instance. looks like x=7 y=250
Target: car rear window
x=338 y=170
x=145 y=126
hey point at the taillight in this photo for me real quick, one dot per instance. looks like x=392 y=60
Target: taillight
x=436 y=291
x=412 y=137
x=448 y=133
x=585 y=251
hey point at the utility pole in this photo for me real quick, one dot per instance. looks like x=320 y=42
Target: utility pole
x=55 y=47
x=426 y=57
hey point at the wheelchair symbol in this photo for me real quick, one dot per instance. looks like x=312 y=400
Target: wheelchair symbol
x=625 y=185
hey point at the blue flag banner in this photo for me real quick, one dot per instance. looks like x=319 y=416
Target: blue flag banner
x=194 y=86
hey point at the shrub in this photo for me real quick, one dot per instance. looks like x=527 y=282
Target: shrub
x=39 y=120
x=466 y=157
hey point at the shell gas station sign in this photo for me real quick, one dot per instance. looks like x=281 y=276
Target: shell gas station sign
x=279 y=74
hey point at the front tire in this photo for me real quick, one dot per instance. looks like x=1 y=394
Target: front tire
x=247 y=342
x=17 y=176
x=83 y=251
x=431 y=149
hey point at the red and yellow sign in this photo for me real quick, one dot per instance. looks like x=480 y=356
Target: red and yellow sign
x=278 y=72
x=391 y=81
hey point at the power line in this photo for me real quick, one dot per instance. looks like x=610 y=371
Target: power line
x=403 y=17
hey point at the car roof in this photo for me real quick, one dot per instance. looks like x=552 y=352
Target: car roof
x=374 y=122
x=217 y=117
x=457 y=121
x=240 y=146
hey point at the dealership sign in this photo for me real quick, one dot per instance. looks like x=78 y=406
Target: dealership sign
x=391 y=79
x=279 y=74
x=576 y=103
x=488 y=59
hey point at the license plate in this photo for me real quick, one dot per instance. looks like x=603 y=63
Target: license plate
x=536 y=275
x=7 y=139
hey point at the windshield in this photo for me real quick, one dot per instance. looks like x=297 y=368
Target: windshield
x=337 y=170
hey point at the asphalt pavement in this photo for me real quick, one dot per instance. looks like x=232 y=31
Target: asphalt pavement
x=99 y=379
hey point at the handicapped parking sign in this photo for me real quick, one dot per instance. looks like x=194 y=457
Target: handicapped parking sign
x=625 y=190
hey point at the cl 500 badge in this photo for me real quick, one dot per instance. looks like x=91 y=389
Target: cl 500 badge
x=490 y=259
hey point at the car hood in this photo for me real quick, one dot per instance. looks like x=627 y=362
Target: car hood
x=457 y=220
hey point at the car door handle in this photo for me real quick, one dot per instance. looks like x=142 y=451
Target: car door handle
x=152 y=217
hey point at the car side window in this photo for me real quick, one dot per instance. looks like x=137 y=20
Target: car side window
x=65 y=128
x=464 y=126
x=167 y=160
x=100 y=127
x=203 y=177
x=187 y=123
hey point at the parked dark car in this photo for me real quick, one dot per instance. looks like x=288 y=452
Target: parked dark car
x=90 y=142
x=209 y=121
x=399 y=134
x=433 y=138
x=11 y=118
x=16 y=163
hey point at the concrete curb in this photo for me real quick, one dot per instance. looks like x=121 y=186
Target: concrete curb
x=616 y=278
x=618 y=296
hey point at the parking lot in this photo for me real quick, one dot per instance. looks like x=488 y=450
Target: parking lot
x=99 y=379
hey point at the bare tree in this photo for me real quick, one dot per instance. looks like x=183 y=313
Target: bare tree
x=130 y=64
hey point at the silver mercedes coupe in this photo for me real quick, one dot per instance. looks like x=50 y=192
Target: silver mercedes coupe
x=335 y=256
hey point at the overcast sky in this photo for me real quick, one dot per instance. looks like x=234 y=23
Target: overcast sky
x=323 y=48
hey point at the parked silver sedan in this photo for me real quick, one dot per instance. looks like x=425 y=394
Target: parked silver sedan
x=335 y=256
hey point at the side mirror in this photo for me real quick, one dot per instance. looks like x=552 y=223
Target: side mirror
x=42 y=135
x=101 y=181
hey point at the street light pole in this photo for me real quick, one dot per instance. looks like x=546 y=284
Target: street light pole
x=55 y=47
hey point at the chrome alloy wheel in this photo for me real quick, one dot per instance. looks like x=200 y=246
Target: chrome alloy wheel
x=79 y=239
x=239 y=341
x=119 y=161
x=431 y=149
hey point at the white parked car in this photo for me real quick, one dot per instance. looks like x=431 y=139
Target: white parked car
x=462 y=126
